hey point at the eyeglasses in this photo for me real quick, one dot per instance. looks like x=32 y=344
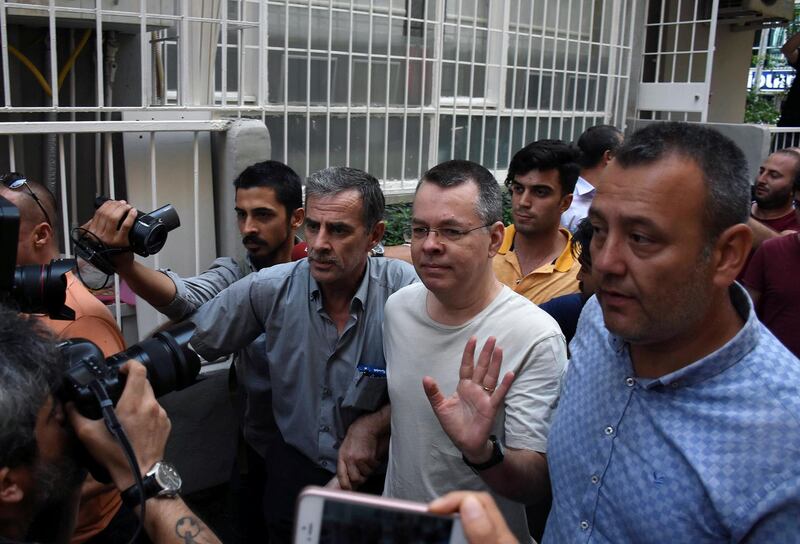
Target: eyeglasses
x=796 y=204
x=451 y=234
x=16 y=184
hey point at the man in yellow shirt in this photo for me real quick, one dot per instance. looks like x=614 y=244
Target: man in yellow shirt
x=535 y=259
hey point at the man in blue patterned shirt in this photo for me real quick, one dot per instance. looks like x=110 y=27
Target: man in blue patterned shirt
x=679 y=415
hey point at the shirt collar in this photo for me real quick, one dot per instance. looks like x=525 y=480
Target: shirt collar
x=717 y=362
x=583 y=187
x=359 y=298
x=563 y=262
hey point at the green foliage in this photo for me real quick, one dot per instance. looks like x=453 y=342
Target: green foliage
x=760 y=109
x=398 y=217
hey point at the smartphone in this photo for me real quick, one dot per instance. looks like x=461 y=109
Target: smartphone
x=327 y=516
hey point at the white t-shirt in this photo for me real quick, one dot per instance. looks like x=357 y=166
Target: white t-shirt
x=423 y=462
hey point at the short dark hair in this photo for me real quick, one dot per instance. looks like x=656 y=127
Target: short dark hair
x=30 y=370
x=595 y=141
x=547 y=155
x=722 y=163
x=581 y=242
x=489 y=206
x=795 y=154
x=336 y=179
x=45 y=195
x=276 y=176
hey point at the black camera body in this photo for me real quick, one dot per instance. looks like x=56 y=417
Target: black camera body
x=33 y=289
x=147 y=237
x=171 y=366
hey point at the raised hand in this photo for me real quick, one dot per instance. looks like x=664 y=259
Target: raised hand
x=467 y=416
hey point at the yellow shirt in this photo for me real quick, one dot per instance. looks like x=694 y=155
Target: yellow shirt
x=546 y=282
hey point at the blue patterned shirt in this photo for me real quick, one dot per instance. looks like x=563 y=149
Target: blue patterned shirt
x=709 y=453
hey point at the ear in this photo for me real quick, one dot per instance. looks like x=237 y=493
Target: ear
x=497 y=232
x=377 y=234
x=730 y=254
x=566 y=202
x=42 y=236
x=11 y=480
x=607 y=156
x=298 y=216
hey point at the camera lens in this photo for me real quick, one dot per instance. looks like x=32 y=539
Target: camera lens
x=149 y=233
x=43 y=288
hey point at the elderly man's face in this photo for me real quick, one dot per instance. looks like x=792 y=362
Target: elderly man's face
x=337 y=239
x=649 y=250
x=452 y=266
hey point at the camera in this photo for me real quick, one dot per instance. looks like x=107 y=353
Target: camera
x=32 y=289
x=147 y=237
x=171 y=366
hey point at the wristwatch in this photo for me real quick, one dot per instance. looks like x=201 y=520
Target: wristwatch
x=495 y=459
x=160 y=481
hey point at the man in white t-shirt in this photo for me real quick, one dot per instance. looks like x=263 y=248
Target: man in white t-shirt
x=478 y=431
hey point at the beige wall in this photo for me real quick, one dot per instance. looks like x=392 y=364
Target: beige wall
x=729 y=75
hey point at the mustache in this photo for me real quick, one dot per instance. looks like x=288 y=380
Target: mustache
x=253 y=239
x=321 y=257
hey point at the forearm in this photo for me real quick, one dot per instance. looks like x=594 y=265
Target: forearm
x=377 y=423
x=522 y=476
x=169 y=521
x=791 y=45
x=153 y=286
x=761 y=232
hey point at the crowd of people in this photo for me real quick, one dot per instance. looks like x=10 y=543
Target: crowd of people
x=623 y=356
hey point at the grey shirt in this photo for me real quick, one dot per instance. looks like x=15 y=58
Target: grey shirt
x=191 y=293
x=308 y=370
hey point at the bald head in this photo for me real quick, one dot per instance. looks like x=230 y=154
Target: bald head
x=37 y=237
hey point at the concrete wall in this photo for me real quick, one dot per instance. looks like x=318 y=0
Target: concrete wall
x=728 y=91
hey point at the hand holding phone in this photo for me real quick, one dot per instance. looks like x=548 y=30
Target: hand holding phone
x=326 y=516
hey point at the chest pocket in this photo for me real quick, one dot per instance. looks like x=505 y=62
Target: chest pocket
x=367 y=393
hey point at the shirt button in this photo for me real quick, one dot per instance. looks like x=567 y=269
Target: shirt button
x=323 y=462
x=323 y=428
x=584 y=525
x=609 y=430
x=629 y=381
x=326 y=392
x=595 y=479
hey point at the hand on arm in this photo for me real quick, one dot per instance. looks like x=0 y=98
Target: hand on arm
x=112 y=223
x=481 y=519
x=363 y=448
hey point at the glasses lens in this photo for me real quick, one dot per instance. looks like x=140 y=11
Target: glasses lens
x=16 y=184
x=407 y=235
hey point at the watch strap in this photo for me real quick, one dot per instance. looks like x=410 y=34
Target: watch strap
x=130 y=497
x=495 y=459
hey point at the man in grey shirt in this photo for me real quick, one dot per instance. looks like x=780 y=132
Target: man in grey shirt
x=269 y=211
x=320 y=322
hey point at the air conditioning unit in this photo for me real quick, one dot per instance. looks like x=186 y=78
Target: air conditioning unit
x=749 y=14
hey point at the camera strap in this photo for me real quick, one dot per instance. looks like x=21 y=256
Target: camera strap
x=118 y=432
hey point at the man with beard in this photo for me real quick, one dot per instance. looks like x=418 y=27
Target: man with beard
x=535 y=259
x=678 y=414
x=269 y=212
x=39 y=476
x=319 y=323
x=771 y=280
x=773 y=191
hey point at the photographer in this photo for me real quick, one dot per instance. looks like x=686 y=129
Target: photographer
x=38 y=244
x=39 y=473
x=269 y=211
